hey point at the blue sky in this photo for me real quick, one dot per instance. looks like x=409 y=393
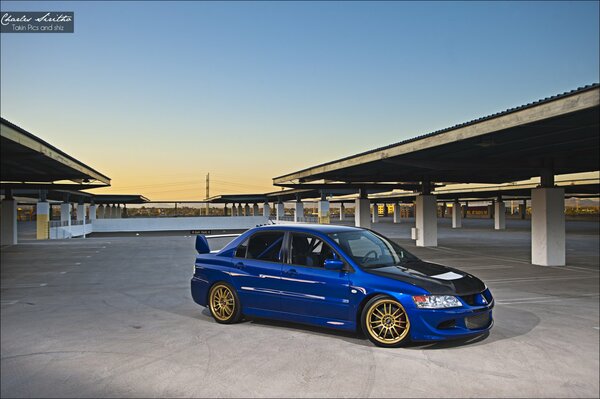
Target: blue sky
x=154 y=94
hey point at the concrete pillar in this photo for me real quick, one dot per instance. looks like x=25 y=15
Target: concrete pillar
x=92 y=209
x=65 y=213
x=280 y=211
x=523 y=209
x=548 y=226
x=362 y=216
x=80 y=214
x=246 y=210
x=456 y=215
x=255 y=210
x=118 y=211
x=100 y=212
x=266 y=210
x=375 y=215
x=491 y=210
x=9 y=222
x=299 y=211
x=342 y=210
x=443 y=209
x=465 y=209
x=385 y=210
x=397 y=216
x=499 y=215
x=323 y=207
x=426 y=220
x=42 y=220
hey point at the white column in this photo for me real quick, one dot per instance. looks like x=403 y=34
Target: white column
x=233 y=210
x=65 y=213
x=9 y=222
x=266 y=210
x=240 y=210
x=323 y=207
x=100 y=212
x=375 y=213
x=523 y=210
x=299 y=211
x=397 y=216
x=92 y=212
x=280 y=211
x=255 y=210
x=499 y=215
x=117 y=210
x=246 y=210
x=426 y=221
x=456 y=215
x=42 y=219
x=342 y=209
x=362 y=217
x=80 y=214
x=548 y=226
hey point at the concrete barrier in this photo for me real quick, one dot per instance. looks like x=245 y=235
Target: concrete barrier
x=177 y=224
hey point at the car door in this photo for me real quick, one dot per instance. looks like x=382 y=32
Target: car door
x=259 y=262
x=307 y=288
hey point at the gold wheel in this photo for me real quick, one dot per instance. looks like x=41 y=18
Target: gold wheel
x=222 y=302
x=387 y=322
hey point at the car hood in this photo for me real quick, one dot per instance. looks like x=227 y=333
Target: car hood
x=437 y=279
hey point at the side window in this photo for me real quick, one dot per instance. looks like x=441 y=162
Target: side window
x=310 y=251
x=261 y=246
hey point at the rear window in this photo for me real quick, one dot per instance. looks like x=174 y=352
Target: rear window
x=264 y=246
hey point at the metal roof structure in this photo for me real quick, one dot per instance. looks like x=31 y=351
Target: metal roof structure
x=26 y=158
x=559 y=133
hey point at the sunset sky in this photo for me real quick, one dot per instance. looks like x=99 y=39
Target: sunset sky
x=156 y=95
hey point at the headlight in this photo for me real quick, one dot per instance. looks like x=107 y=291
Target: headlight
x=436 y=301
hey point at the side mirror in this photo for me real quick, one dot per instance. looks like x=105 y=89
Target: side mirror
x=202 y=244
x=334 y=264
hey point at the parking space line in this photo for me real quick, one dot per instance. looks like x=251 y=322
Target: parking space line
x=535 y=279
x=546 y=300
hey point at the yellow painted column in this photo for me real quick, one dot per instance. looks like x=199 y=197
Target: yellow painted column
x=42 y=220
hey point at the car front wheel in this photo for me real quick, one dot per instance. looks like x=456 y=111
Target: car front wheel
x=224 y=303
x=385 y=322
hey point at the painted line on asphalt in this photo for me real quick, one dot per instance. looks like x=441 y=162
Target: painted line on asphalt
x=548 y=300
x=473 y=254
x=3 y=302
x=525 y=279
x=597 y=328
x=24 y=286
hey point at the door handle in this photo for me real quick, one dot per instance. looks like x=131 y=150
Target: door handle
x=291 y=272
x=239 y=265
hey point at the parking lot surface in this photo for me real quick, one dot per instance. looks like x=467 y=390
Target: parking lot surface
x=113 y=317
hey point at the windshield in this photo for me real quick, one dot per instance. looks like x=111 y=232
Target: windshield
x=370 y=250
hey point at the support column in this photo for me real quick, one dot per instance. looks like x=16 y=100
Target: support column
x=42 y=220
x=255 y=210
x=323 y=210
x=362 y=213
x=443 y=210
x=246 y=210
x=523 y=209
x=240 y=211
x=299 y=211
x=266 y=210
x=426 y=220
x=342 y=210
x=456 y=215
x=92 y=209
x=9 y=221
x=280 y=211
x=65 y=214
x=491 y=208
x=465 y=209
x=385 y=210
x=375 y=216
x=548 y=226
x=397 y=215
x=100 y=211
x=499 y=215
x=118 y=210
x=80 y=214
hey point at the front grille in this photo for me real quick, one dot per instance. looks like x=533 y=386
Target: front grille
x=481 y=299
x=445 y=325
x=477 y=322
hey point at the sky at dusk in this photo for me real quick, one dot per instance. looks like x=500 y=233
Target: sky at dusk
x=156 y=95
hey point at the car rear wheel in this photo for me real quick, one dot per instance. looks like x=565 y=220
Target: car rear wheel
x=385 y=322
x=224 y=304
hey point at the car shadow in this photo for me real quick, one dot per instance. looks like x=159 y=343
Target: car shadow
x=509 y=322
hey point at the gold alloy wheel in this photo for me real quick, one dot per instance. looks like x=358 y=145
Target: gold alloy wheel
x=222 y=302
x=387 y=321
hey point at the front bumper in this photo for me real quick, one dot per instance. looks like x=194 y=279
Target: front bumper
x=451 y=323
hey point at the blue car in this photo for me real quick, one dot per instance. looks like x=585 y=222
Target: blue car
x=339 y=277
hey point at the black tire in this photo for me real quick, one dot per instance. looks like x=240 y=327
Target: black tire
x=224 y=303
x=385 y=328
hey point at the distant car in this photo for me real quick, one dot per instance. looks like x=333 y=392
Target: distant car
x=340 y=277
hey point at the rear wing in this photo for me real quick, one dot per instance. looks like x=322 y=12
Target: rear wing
x=213 y=243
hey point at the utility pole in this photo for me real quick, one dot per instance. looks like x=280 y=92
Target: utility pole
x=207 y=190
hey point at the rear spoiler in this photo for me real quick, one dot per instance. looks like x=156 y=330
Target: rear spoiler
x=202 y=246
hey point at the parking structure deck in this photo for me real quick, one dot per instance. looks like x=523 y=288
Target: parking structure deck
x=113 y=317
